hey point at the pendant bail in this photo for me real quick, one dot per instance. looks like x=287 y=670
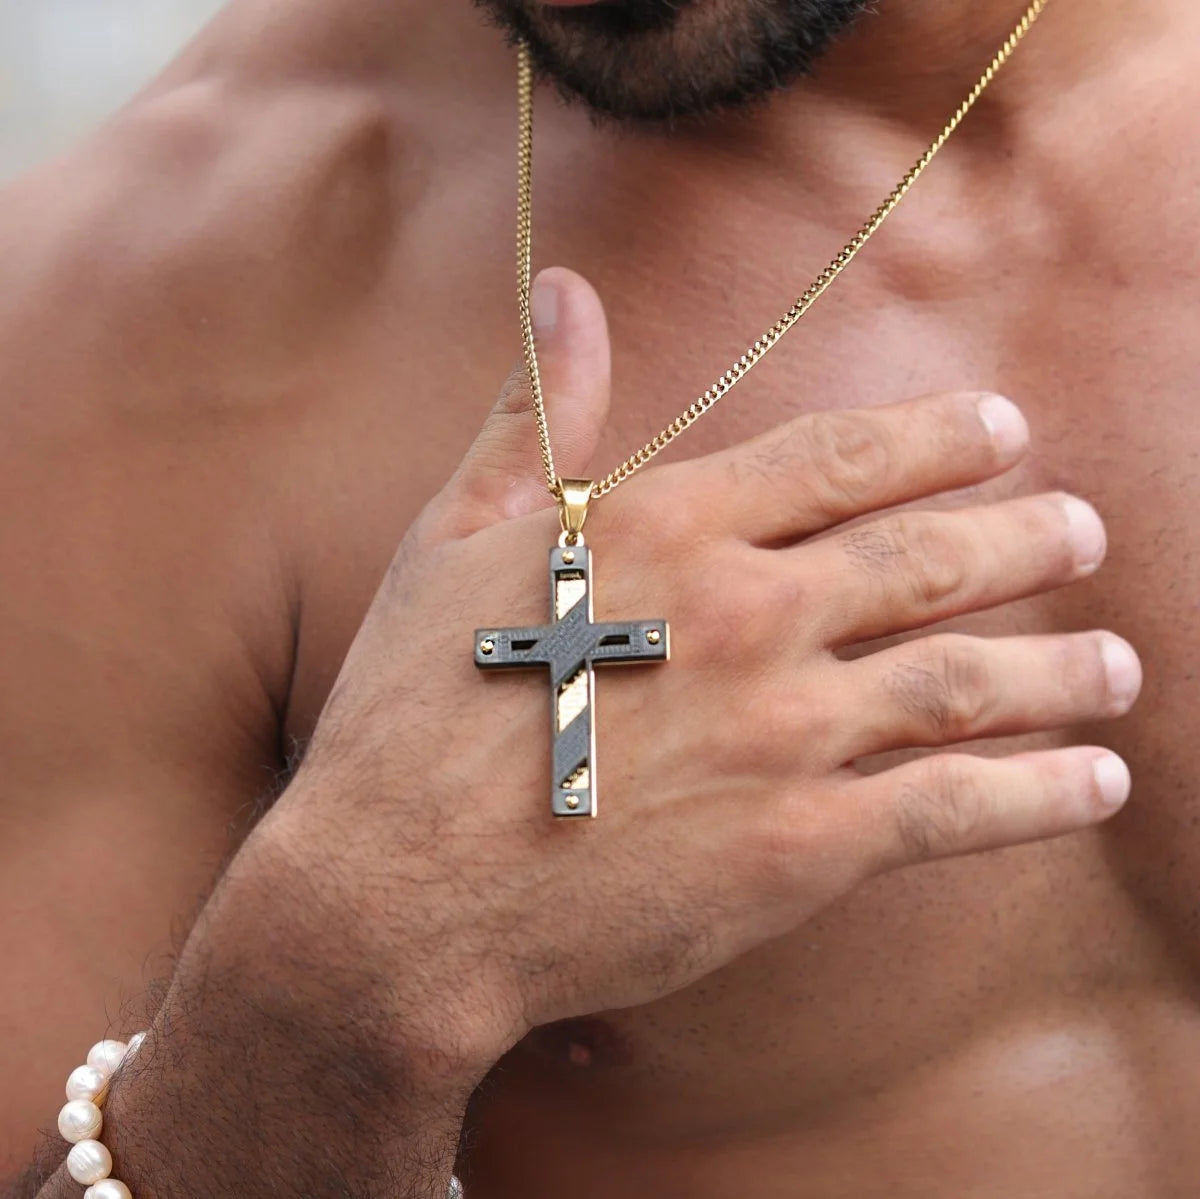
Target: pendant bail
x=574 y=495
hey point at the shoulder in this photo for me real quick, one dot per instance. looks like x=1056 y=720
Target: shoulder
x=251 y=199
x=251 y=194
x=206 y=305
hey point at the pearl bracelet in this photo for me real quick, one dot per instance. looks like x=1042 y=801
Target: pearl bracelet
x=80 y=1120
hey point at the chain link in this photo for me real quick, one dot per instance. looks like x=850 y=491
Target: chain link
x=723 y=385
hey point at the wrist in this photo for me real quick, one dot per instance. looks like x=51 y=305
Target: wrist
x=323 y=945
x=285 y=1039
x=242 y=1082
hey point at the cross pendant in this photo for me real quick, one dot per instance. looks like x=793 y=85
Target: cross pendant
x=571 y=646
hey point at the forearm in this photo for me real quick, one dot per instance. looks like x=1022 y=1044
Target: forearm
x=285 y=1060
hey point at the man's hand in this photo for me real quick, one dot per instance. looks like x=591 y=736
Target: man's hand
x=410 y=908
x=731 y=809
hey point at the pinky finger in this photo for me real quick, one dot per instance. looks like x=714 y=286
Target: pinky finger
x=946 y=805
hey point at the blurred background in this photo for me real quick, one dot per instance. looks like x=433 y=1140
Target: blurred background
x=65 y=64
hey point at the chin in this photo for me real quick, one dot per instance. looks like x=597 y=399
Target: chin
x=662 y=60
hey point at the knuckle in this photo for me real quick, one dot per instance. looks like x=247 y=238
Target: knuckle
x=1077 y=666
x=783 y=596
x=942 y=812
x=1059 y=783
x=454 y=513
x=1064 y=785
x=849 y=454
x=772 y=731
x=874 y=549
x=949 y=688
x=917 y=546
x=784 y=842
x=779 y=730
x=932 y=558
x=676 y=525
x=725 y=614
x=738 y=603
x=515 y=397
x=763 y=725
x=970 y=683
x=675 y=497
x=767 y=458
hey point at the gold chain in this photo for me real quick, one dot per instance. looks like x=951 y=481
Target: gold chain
x=816 y=289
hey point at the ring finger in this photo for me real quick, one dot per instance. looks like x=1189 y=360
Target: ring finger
x=950 y=688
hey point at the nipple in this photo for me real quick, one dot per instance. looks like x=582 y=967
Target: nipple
x=579 y=1054
x=579 y=1044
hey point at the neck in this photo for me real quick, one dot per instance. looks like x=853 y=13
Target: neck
x=908 y=54
x=909 y=57
x=901 y=71
x=911 y=61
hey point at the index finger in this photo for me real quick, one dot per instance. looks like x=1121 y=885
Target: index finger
x=824 y=468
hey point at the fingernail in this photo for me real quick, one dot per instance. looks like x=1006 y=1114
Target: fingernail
x=1124 y=672
x=1113 y=779
x=1085 y=530
x=543 y=304
x=1005 y=424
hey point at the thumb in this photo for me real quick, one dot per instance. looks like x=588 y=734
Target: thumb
x=502 y=475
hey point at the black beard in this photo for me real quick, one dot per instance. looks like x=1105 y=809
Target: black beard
x=662 y=60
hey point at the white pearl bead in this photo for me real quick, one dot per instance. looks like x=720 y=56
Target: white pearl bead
x=88 y=1162
x=110 y=1188
x=135 y=1043
x=106 y=1055
x=86 y=1082
x=79 y=1120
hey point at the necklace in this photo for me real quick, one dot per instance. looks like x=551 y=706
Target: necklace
x=572 y=643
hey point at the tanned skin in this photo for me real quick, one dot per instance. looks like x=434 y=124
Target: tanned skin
x=249 y=331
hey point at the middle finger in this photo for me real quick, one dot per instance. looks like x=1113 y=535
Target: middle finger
x=950 y=688
x=913 y=569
